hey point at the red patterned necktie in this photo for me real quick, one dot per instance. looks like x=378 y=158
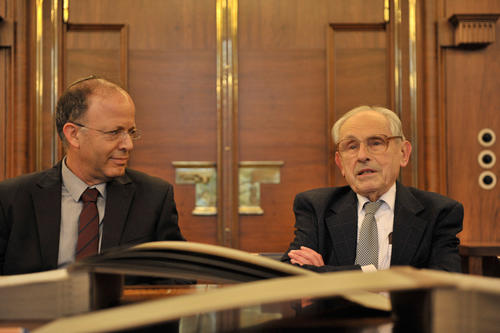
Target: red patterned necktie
x=88 y=225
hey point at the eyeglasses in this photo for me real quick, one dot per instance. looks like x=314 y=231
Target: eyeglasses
x=376 y=144
x=116 y=134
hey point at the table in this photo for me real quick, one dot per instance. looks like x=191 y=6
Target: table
x=480 y=258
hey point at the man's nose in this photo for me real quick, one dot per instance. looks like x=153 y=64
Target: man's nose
x=363 y=153
x=126 y=142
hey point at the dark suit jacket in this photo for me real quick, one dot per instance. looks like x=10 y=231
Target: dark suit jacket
x=139 y=208
x=424 y=233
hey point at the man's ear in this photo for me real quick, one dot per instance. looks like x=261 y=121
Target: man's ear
x=405 y=153
x=338 y=161
x=70 y=132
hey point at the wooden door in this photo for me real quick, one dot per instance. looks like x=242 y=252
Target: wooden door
x=296 y=66
x=302 y=64
x=470 y=61
x=164 y=53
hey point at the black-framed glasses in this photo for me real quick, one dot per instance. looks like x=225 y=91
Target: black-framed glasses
x=115 y=135
x=376 y=144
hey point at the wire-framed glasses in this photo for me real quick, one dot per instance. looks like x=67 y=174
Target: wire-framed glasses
x=117 y=134
x=376 y=144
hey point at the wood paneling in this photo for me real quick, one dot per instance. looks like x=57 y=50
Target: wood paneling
x=301 y=64
x=15 y=131
x=282 y=118
x=467 y=101
x=96 y=48
x=451 y=7
x=5 y=94
x=471 y=90
x=283 y=112
x=359 y=73
x=432 y=170
x=171 y=77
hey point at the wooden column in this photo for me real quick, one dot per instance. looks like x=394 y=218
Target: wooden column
x=227 y=123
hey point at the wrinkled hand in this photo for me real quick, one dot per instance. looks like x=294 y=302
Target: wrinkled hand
x=305 y=256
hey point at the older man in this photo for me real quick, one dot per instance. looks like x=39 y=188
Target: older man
x=90 y=201
x=375 y=222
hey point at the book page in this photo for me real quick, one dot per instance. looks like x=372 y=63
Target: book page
x=40 y=277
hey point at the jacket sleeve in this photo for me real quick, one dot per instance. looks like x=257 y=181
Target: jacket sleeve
x=444 y=252
x=168 y=224
x=308 y=232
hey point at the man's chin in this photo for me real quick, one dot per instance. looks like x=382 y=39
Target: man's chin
x=366 y=189
x=116 y=172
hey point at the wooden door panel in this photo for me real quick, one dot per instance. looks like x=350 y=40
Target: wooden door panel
x=471 y=85
x=282 y=118
x=171 y=75
x=284 y=86
x=92 y=49
x=360 y=66
x=359 y=73
x=180 y=122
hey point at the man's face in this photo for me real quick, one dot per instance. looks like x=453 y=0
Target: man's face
x=368 y=174
x=102 y=156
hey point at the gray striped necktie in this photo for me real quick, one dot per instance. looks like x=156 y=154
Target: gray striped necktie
x=367 y=249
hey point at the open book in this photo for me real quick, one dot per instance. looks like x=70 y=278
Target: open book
x=96 y=281
x=56 y=293
x=189 y=260
x=433 y=301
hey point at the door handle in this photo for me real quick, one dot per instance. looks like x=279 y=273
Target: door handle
x=251 y=175
x=204 y=176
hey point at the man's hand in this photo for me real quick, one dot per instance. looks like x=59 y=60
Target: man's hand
x=305 y=256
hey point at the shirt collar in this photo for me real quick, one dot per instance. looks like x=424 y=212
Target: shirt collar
x=75 y=185
x=388 y=198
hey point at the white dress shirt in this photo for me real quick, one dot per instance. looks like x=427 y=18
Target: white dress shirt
x=71 y=190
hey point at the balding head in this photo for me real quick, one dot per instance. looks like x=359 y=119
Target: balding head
x=74 y=102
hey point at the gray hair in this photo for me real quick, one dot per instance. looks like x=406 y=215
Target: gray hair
x=394 y=121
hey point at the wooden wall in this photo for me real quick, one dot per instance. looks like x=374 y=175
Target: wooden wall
x=470 y=89
x=297 y=66
x=16 y=88
x=459 y=99
x=301 y=65
x=164 y=52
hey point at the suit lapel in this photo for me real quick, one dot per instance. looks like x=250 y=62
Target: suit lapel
x=119 y=194
x=408 y=227
x=46 y=196
x=342 y=226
